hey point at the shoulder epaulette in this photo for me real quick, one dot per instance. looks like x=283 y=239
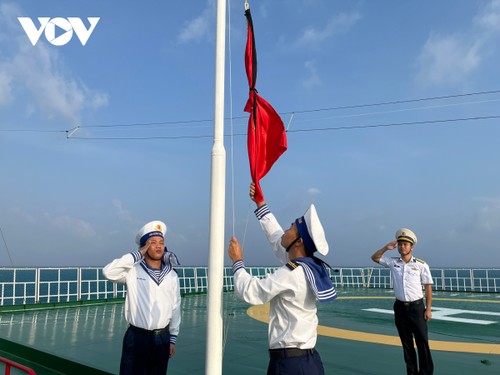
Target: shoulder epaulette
x=420 y=260
x=292 y=265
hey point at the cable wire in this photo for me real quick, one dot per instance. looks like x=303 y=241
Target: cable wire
x=333 y=128
x=6 y=247
x=231 y=114
x=291 y=113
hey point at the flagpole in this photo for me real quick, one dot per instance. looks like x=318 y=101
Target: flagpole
x=213 y=361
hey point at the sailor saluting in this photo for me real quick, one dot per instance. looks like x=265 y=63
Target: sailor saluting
x=410 y=314
x=152 y=304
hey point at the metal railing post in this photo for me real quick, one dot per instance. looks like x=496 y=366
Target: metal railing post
x=79 y=284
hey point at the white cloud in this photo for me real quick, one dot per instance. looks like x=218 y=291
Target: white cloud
x=341 y=23
x=488 y=217
x=451 y=58
x=5 y=88
x=262 y=8
x=37 y=76
x=489 y=17
x=313 y=191
x=313 y=80
x=200 y=27
x=97 y=99
x=50 y=225
x=70 y=225
x=447 y=59
x=122 y=213
x=8 y=14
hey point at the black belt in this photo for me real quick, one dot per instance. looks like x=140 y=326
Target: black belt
x=416 y=302
x=290 y=352
x=154 y=332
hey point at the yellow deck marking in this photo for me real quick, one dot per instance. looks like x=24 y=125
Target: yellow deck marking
x=261 y=313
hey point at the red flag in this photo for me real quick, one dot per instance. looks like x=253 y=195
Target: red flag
x=266 y=133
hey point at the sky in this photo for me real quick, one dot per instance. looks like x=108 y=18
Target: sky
x=391 y=108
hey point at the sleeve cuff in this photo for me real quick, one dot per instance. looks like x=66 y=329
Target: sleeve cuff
x=173 y=339
x=137 y=256
x=262 y=211
x=239 y=264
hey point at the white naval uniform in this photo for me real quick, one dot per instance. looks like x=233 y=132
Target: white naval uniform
x=292 y=319
x=148 y=305
x=407 y=278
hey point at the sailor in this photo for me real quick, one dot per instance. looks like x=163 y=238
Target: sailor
x=292 y=289
x=408 y=275
x=152 y=304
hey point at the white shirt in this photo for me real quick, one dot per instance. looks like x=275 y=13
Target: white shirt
x=407 y=278
x=292 y=318
x=148 y=305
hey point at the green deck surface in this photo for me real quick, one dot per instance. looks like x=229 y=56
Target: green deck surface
x=87 y=339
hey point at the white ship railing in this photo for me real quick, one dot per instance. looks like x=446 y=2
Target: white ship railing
x=22 y=286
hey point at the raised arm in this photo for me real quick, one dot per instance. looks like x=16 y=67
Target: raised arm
x=378 y=254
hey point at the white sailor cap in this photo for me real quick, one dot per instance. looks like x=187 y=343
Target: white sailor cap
x=405 y=234
x=311 y=231
x=151 y=229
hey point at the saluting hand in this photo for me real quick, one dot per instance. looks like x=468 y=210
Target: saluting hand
x=143 y=250
x=392 y=245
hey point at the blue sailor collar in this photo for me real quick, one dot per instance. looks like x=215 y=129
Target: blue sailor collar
x=317 y=277
x=167 y=264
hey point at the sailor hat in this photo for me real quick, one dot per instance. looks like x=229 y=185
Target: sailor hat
x=151 y=229
x=404 y=234
x=311 y=231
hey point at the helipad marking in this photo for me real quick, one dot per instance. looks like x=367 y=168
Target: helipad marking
x=261 y=313
x=443 y=313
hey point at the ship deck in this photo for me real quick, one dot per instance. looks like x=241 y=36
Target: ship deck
x=356 y=336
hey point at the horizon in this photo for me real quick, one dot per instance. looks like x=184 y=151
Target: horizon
x=390 y=124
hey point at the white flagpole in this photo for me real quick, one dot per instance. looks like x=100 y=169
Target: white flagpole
x=213 y=361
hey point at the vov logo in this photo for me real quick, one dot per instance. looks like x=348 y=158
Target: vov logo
x=58 y=30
